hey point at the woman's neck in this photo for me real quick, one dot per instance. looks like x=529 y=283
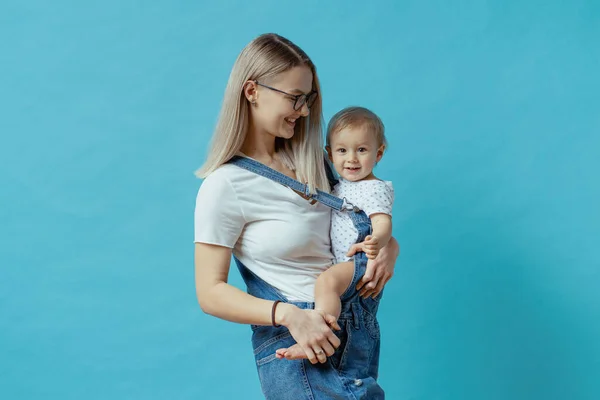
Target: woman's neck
x=259 y=146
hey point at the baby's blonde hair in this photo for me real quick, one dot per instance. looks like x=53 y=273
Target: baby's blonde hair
x=261 y=60
x=356 y=117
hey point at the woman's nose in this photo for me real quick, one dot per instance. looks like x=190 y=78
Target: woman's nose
x=304 y=110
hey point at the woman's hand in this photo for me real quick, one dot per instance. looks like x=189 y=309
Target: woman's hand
x=311 y=330
x=379 y=271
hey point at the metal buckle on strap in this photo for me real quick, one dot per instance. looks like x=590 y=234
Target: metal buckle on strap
x=349 y=206
x=307 y=192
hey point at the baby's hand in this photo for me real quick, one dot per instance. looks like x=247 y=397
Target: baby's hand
x=371 y=247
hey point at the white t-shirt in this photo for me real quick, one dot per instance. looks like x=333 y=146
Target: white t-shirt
x=273 y=231
x=371 y=196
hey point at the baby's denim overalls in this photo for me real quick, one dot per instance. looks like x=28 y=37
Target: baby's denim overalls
x=351 y=373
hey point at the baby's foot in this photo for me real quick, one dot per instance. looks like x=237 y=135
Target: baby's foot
x=294 y=352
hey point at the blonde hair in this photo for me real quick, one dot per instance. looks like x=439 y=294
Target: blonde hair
x=262 y=59
x=356 y=117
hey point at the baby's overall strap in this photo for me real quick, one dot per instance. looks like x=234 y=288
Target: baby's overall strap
x=276 y=176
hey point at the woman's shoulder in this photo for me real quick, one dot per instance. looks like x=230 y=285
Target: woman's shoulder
x=224 y=184
x=227 y=174
x=223 y=172
x=231 y=181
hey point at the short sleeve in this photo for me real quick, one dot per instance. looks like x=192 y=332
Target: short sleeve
x=379 y=199
x=218 y=218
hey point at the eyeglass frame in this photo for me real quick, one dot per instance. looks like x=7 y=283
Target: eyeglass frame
x=295 y=96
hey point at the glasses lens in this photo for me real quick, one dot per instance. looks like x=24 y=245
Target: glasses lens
x=299 y=102
x=311 y=99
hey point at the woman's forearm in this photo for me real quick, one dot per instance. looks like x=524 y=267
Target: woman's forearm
x=227 y=302
x=217 y=297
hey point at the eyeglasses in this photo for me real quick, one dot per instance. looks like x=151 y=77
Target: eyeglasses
x=299 y=99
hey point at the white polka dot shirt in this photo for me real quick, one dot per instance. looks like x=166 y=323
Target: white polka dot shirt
x=371 y=196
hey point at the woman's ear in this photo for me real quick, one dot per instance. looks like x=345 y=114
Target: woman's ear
x=380 y=152
x=250 y=91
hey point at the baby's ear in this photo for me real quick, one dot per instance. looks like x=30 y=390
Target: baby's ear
x=328 y=148
x=380 y=152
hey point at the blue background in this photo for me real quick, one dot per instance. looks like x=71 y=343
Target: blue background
x=492 y=114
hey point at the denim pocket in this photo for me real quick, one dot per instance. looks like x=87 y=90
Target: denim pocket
x=337 y=359
x=371 y=324
x=266 y=359
x=266 y=340
x=279 y=379
x=368 y=309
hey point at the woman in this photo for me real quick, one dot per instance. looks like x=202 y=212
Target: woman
x=279 y=237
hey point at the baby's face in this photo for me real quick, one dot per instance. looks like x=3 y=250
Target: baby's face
x=354 y=152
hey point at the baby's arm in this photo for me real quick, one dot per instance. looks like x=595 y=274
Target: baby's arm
x=380 y=236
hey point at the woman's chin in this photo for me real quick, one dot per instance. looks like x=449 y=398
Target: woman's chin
x=286 y=134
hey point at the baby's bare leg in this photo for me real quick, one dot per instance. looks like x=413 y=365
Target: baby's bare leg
x=330 y=285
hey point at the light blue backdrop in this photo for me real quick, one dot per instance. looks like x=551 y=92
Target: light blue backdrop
x=492 y=112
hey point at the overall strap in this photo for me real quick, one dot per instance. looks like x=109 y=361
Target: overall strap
x=276 y=176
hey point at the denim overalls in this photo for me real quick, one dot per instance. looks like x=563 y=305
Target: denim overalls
x=351 y=373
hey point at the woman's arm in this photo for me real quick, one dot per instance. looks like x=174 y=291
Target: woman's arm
x=218 y=298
